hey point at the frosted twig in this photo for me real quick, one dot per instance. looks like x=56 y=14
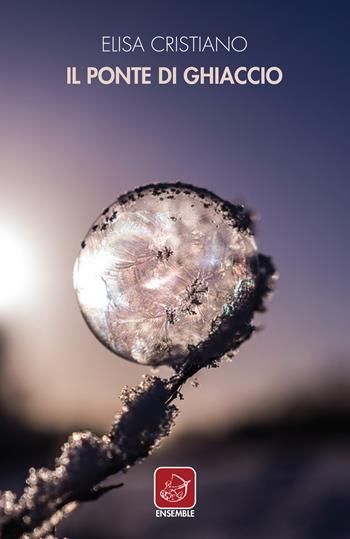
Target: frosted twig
x=147 y=416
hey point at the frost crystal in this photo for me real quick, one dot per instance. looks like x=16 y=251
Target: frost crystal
x=162 y=267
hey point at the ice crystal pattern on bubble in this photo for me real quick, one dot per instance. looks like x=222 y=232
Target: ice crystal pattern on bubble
x=159 y=267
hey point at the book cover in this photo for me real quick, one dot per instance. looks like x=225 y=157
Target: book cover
x=174 y=319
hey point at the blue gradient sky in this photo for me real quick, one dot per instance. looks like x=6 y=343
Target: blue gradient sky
x=67 y=152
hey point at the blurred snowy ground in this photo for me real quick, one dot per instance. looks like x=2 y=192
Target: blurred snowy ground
x=254 y=487
x=283 y=477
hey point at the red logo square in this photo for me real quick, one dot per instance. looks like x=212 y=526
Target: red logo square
x=175 y=487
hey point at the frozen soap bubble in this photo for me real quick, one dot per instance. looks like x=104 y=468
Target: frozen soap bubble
x=163 y=270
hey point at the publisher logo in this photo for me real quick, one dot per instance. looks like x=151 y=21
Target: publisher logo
x=175 y=488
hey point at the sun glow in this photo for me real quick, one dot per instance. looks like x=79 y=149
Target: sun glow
x=16 y=269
